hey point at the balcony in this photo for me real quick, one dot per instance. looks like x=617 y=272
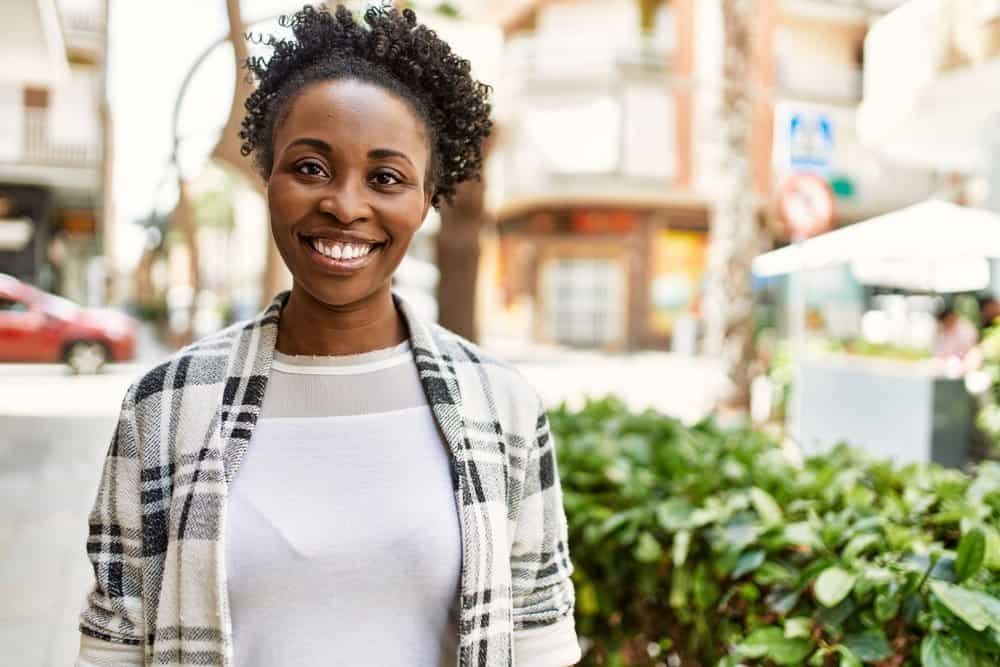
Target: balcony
x=838 y=11
x=40 y=146
x=930 y=93
x=47 y=147
x=810 y=79
x=574 y=58
x=589 y=113
x=84 y=24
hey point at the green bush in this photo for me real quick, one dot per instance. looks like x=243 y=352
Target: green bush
x=710 y=546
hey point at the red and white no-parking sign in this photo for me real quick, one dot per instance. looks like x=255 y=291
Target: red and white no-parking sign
x=806 y=205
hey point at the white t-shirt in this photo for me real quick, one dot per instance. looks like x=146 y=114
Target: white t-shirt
x=342 y=528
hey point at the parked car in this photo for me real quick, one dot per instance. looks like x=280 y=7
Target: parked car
x=40 y=327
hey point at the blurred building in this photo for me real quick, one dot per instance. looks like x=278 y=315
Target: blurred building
x=53 y=145
x=597 y=208
x=932 y=92
x=818 y=63
x=609 y=155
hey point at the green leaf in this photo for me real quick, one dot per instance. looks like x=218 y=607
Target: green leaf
x=682 y=542
x=798 y=626
x=860 y=543
x=992 y=560
x=674 y=514
x=887 y=604
x=706 y=591
x=833 y=585
x=648 y=550
x=767 y=508
x=868 y=646
x=801 y=534
x=748 y=562
x=771 y=643
x=586 y=600
x=848 y=657
x=979 y=610
x=971 y=552
x=943 y=651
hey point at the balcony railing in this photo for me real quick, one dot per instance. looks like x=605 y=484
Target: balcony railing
x=812 y=79
x=38 y=146
x=568 y=56
x=82 y=20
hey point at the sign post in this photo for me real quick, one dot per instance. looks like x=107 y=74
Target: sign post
x=806 y=205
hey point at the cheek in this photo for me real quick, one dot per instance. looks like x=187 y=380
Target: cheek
x=285 y=202
x=403 y=220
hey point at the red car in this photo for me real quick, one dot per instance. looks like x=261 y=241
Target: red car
x=41 y=327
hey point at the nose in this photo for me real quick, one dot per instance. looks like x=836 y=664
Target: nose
x=345 y=201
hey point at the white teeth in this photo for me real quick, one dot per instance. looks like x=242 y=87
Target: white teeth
x=341 y=250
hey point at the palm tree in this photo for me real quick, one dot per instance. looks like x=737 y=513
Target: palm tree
x=735 y=237
x=458 y=248
x=227 y=150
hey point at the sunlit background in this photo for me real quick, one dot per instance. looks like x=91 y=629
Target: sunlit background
x=785 y=213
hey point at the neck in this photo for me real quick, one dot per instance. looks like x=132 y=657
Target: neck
x=311 y=327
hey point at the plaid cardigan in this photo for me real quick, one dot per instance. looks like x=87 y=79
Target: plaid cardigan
x=157 y=526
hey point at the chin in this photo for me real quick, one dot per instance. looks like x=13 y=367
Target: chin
x=338 y=292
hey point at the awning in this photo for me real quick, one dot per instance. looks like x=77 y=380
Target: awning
x=933 y=246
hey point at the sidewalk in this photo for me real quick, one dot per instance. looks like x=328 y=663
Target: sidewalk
x=679 y=386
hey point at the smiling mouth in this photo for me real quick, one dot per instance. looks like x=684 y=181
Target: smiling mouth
x=342 y=255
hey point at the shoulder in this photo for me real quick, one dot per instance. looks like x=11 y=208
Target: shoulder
x=202 y=363
x=485 y=376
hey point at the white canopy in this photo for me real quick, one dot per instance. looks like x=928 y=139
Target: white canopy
x=934 y=245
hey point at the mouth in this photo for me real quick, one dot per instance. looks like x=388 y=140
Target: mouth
x=341 y=256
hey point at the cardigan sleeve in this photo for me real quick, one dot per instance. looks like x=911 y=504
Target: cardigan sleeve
x=113 y=611
x=543 y=594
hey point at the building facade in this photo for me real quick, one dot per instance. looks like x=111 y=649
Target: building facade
x=609 y=158
x=53 y=151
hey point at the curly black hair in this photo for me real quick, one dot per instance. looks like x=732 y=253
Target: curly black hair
x=393 y=52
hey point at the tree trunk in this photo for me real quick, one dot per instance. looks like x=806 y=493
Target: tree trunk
x=274 y=278
x=183 y=220
x=458 y=259
x=735 y=237
x=227 y=150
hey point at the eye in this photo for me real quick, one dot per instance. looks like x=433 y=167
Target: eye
x=310 y=168
x=385 y=178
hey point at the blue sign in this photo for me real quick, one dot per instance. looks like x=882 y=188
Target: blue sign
x=810 y=145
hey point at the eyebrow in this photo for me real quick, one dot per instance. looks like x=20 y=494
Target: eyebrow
x=318 y=144
x=383 y=153
x=374 y=154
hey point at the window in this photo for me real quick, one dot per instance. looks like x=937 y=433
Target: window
x=12 y=306
x=583 y=301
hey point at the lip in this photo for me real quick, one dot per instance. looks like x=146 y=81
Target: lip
x=342 y=266
x=340 y=237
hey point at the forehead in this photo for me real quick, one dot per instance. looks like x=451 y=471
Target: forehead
x=353 y=112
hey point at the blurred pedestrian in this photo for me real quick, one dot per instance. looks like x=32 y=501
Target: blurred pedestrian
x=956 y=336
x=336 y=482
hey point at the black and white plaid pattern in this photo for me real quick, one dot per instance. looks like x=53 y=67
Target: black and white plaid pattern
x=157 y=524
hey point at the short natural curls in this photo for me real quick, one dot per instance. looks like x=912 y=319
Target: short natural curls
x=391 y=50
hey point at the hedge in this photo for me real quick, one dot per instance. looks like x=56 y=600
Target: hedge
x=701 y=546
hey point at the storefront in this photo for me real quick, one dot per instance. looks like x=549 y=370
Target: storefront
x=606 y=277
x=25 y=230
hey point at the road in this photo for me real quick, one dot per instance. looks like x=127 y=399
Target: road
x=54 y=433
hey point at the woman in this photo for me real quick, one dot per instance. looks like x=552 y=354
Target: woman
x=337 y=482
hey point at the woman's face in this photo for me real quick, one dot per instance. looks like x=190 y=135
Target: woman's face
x=347 y=189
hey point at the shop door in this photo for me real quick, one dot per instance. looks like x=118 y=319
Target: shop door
x=583 y=301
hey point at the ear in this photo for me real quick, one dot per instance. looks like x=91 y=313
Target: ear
x=427 y=203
